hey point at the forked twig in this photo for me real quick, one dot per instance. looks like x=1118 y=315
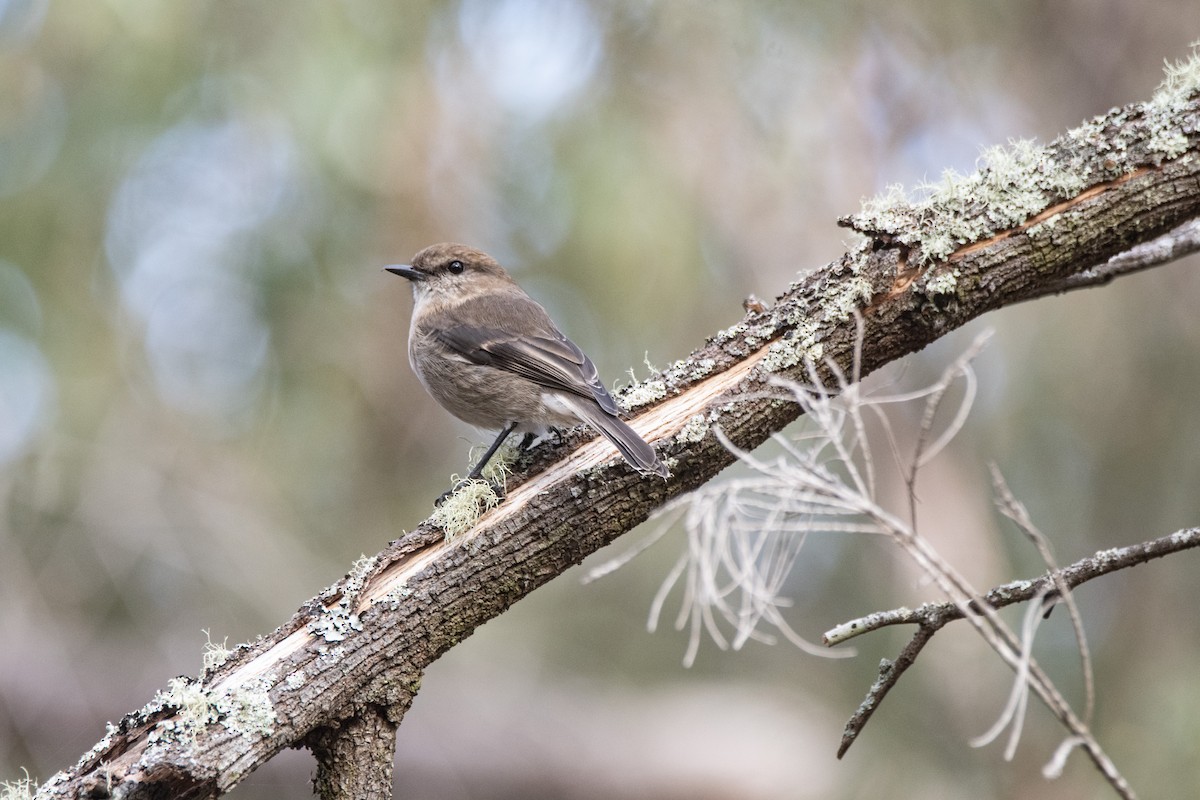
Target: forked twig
x=931 y=617
x=1020 y=591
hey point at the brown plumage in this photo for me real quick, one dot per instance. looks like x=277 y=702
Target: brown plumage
x=491 y=355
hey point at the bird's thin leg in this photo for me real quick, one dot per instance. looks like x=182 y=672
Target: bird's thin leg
x=477 y=471
x=491 y=451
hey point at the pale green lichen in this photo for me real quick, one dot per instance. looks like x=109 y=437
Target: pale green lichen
x=332 y=654
x=335 y=622
x=20 y=789
x=363 y=566
x=800 y=344
x=1181 y=80
x=295 y=679
x=1044 y=227
x=245 y=710
x=858 y=257
x=192 y=712
x=499 y=466
x=1015 y=183
x=461 y=510
x=248 y=711
x=214 y=654
x=688 y=371
x=695 y=429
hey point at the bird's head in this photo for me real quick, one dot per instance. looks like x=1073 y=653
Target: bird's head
x=450 y=272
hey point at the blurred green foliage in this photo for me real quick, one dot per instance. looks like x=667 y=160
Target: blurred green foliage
x=206 y=411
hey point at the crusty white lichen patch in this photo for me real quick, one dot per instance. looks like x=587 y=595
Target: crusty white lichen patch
x=943 y=282
x=850 y=296
x=642 y=393
x=337 y=618
x=1016 y=182
x=398 y=595
x=334 y=623
x=1171 y=143
x=732 y=332
x=639 y=393
x=701 y=368
x=695 y=429
x=799 y=345
x=245 y=710
x=99 y=747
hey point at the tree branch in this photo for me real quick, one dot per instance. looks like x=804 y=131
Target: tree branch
x=1183 y=241
x=354 y=760
x=1021 y=591
x=365 y=641
x=932 y=617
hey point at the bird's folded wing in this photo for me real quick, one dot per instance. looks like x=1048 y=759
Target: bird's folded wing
x=553 y=362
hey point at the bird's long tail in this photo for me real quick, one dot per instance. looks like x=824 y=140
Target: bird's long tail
x=633 y=448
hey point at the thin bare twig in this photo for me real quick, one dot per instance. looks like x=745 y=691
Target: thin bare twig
x=889 y=674
x=932 y=617
x=1015 y=510
x=1020 y=591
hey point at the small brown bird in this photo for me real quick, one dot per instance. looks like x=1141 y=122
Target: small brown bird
x=492 y=356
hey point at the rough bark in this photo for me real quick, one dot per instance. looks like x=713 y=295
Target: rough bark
x=354 y=758
x=364 y=643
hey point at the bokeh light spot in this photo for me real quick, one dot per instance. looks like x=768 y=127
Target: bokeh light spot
x=532 y=54
x=26 y=390
x=181 y=240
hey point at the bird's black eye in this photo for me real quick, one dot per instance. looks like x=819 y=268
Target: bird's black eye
x=455 y=266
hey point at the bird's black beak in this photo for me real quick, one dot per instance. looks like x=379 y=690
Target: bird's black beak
x=405 y=271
